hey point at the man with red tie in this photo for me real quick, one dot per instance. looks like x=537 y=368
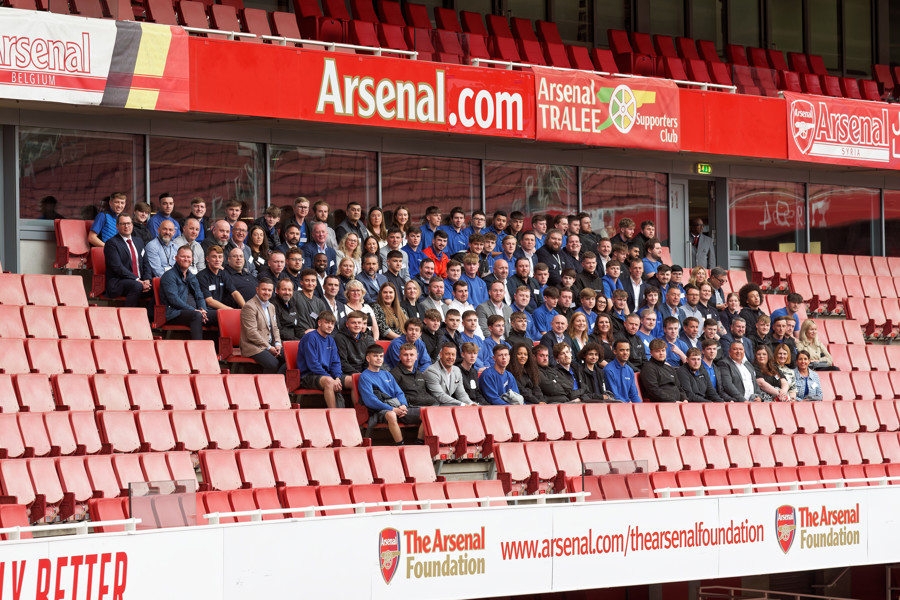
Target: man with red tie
x=127 y=265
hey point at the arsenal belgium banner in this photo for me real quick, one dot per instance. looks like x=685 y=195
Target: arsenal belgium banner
x=580 y=107
x=847 y=132
x=75 y=60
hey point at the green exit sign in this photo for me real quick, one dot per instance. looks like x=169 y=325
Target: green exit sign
x=704 y=169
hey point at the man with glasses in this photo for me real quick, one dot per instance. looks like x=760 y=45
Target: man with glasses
x=238 y=240
x=717 y=278
x=127 y=265
x=301 y=210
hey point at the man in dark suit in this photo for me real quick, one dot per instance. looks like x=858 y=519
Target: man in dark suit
x=634 y=285
x=738 y=376
x=702 y=254
x=127 y=265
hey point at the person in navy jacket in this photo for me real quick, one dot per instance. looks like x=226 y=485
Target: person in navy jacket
x=127 y=274
x=317 y=245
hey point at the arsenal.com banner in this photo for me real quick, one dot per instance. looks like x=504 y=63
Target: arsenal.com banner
x=411 y=94
x=846 y=132
x=74 y=60
x=583 y=108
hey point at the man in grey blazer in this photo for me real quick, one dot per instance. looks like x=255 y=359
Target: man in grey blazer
x=494 y=305
x=739 y=376
x=702 y=254
x=443 y=380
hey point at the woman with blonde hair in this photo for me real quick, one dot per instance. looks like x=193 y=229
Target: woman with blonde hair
x=698 y=276
x=349 y=247
x=388 y=314
x=578 y=331
x=820 y=359
x=355 y=293
x=375 y=225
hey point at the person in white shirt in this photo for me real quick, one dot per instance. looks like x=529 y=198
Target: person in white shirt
x=188 y=237
x=461 y=297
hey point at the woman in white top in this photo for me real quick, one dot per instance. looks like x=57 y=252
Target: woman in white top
x=355 y=292
x=350 y=248
x=820 y=359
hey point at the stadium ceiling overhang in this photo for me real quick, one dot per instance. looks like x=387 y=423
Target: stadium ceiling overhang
x=120 y=65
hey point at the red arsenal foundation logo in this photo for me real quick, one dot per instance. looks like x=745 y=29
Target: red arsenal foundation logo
x=389 y=552
x=785 y=526
x=803 y=124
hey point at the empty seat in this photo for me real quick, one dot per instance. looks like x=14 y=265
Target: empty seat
x=119 y=430
x=220 y=470
x=104 y=323
x=353 y=465
x=11 y=443
x=44 y=357
x=178 y=393
x=35 y=392
x=190 y=432
x=322 y=468
x=256 y=21
x=110 y=392
x=110 y=358
x=469 y=425
x=39 y=290
x=417 y=464
x=289 y=468
x=314 y=427
x=386 y=464
x=38 y=321
x=143 y=392
x=11 y=290
x=209 y=390
x=221 y=429
x=440 y=434
x=71 y=323
x=255 y=467
x=253 y=430
x=155 y=430
x=284 y=428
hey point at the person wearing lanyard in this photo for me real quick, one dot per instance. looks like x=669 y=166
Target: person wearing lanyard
x=161 y=251
x=807 y=380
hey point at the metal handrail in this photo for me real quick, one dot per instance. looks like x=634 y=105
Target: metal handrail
x=475 y=62
x=377 y=51
x=360 y=507
x=228 y=34
x=794 y=485
x=710 y=592
x=81 y=528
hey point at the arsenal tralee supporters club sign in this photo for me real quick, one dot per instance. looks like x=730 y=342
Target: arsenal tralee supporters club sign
x=847 y=132
x=584 y=108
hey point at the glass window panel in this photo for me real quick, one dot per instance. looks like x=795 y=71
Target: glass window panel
x=765 y=215
x=337 y=176
x=479 y=6
x=529 y=188
x=79 y=169
x=787 y=25
x=743 y=22
x=536 y=10
x=892 y=222
x=823 y=32
x=614 y=14
x=608 y=196
x=418 y=182
x=858 y=37
x=573 y=18
x=842 y=219
x=894 y=17
x=667 y=17
x=706 y=23
x=213 y=170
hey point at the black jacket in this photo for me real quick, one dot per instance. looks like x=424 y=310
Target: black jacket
x=697 y=387
x=413 y=386
x=551 y=385
x=531 y=392
x=519 y=338
x=585 y=280
x=636 y=358
x=659 y=382
x=594 y=387
x=288 y=316
x=352 y=351
x=433 y=342
x=470 y=381
x=567 y=381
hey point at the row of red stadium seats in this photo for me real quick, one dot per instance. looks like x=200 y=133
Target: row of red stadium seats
x=474 y=432
x=536 y=467
x=114 y=357
x=42 y=290
x=36 y=392
x=74 y=323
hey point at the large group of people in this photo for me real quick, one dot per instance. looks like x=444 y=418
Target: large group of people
x=477 y=309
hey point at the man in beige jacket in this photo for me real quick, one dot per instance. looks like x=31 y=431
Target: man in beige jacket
x=260 y=339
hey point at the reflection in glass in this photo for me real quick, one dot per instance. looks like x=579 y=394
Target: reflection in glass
x=843 y=219
x=608 y=195
x=421 y=181
x=529 y=188
x=213 y=170
x=765 y=215
x=78 y=168
x=892 y=222
x=337 y=176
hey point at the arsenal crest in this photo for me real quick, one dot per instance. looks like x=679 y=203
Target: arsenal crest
x=785 y=526
x=389 y=552
x=803 y=124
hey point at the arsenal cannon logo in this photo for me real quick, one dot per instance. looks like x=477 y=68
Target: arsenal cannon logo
x=803 y=124
x=785 y=526
x=389 y=552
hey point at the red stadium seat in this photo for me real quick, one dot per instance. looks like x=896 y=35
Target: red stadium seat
x=469 y=425
x=155 y=430
x=738 y=448
x=321 y=466
x=513 y=470
x=496 y=423
x=110 y=392
x=109 y=357
x=284 y=428
x=71 y=322
x=189 y=430
x=623 y=420
x=567 y=458
x=289 y=468
x=579 y=58
x=119 y=430
x=386 y=464
x=35 y=392
x=253 y=430
x=714 y=452
x=210 y=393
x=255 y=467
x=314 y=427
x=541 y=462
x=761 y=450
x=521 y=420
x=694 y=419
x=11 y=443
x=417 y=464
x=353 y=465
x=667 y=454
x=221 y=430
x=890 y=446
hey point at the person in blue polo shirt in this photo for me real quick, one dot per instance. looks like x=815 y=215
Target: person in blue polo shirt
x=620 y=376
x=319 y=363
x=104 y=226
x=457 y=239
x=413 y=329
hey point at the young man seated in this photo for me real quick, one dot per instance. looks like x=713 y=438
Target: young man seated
x=379 y=392
x=319 y=363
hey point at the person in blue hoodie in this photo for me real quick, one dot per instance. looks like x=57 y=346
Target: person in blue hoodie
x=412 y=335
x=379 y=392
x=319 y=362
